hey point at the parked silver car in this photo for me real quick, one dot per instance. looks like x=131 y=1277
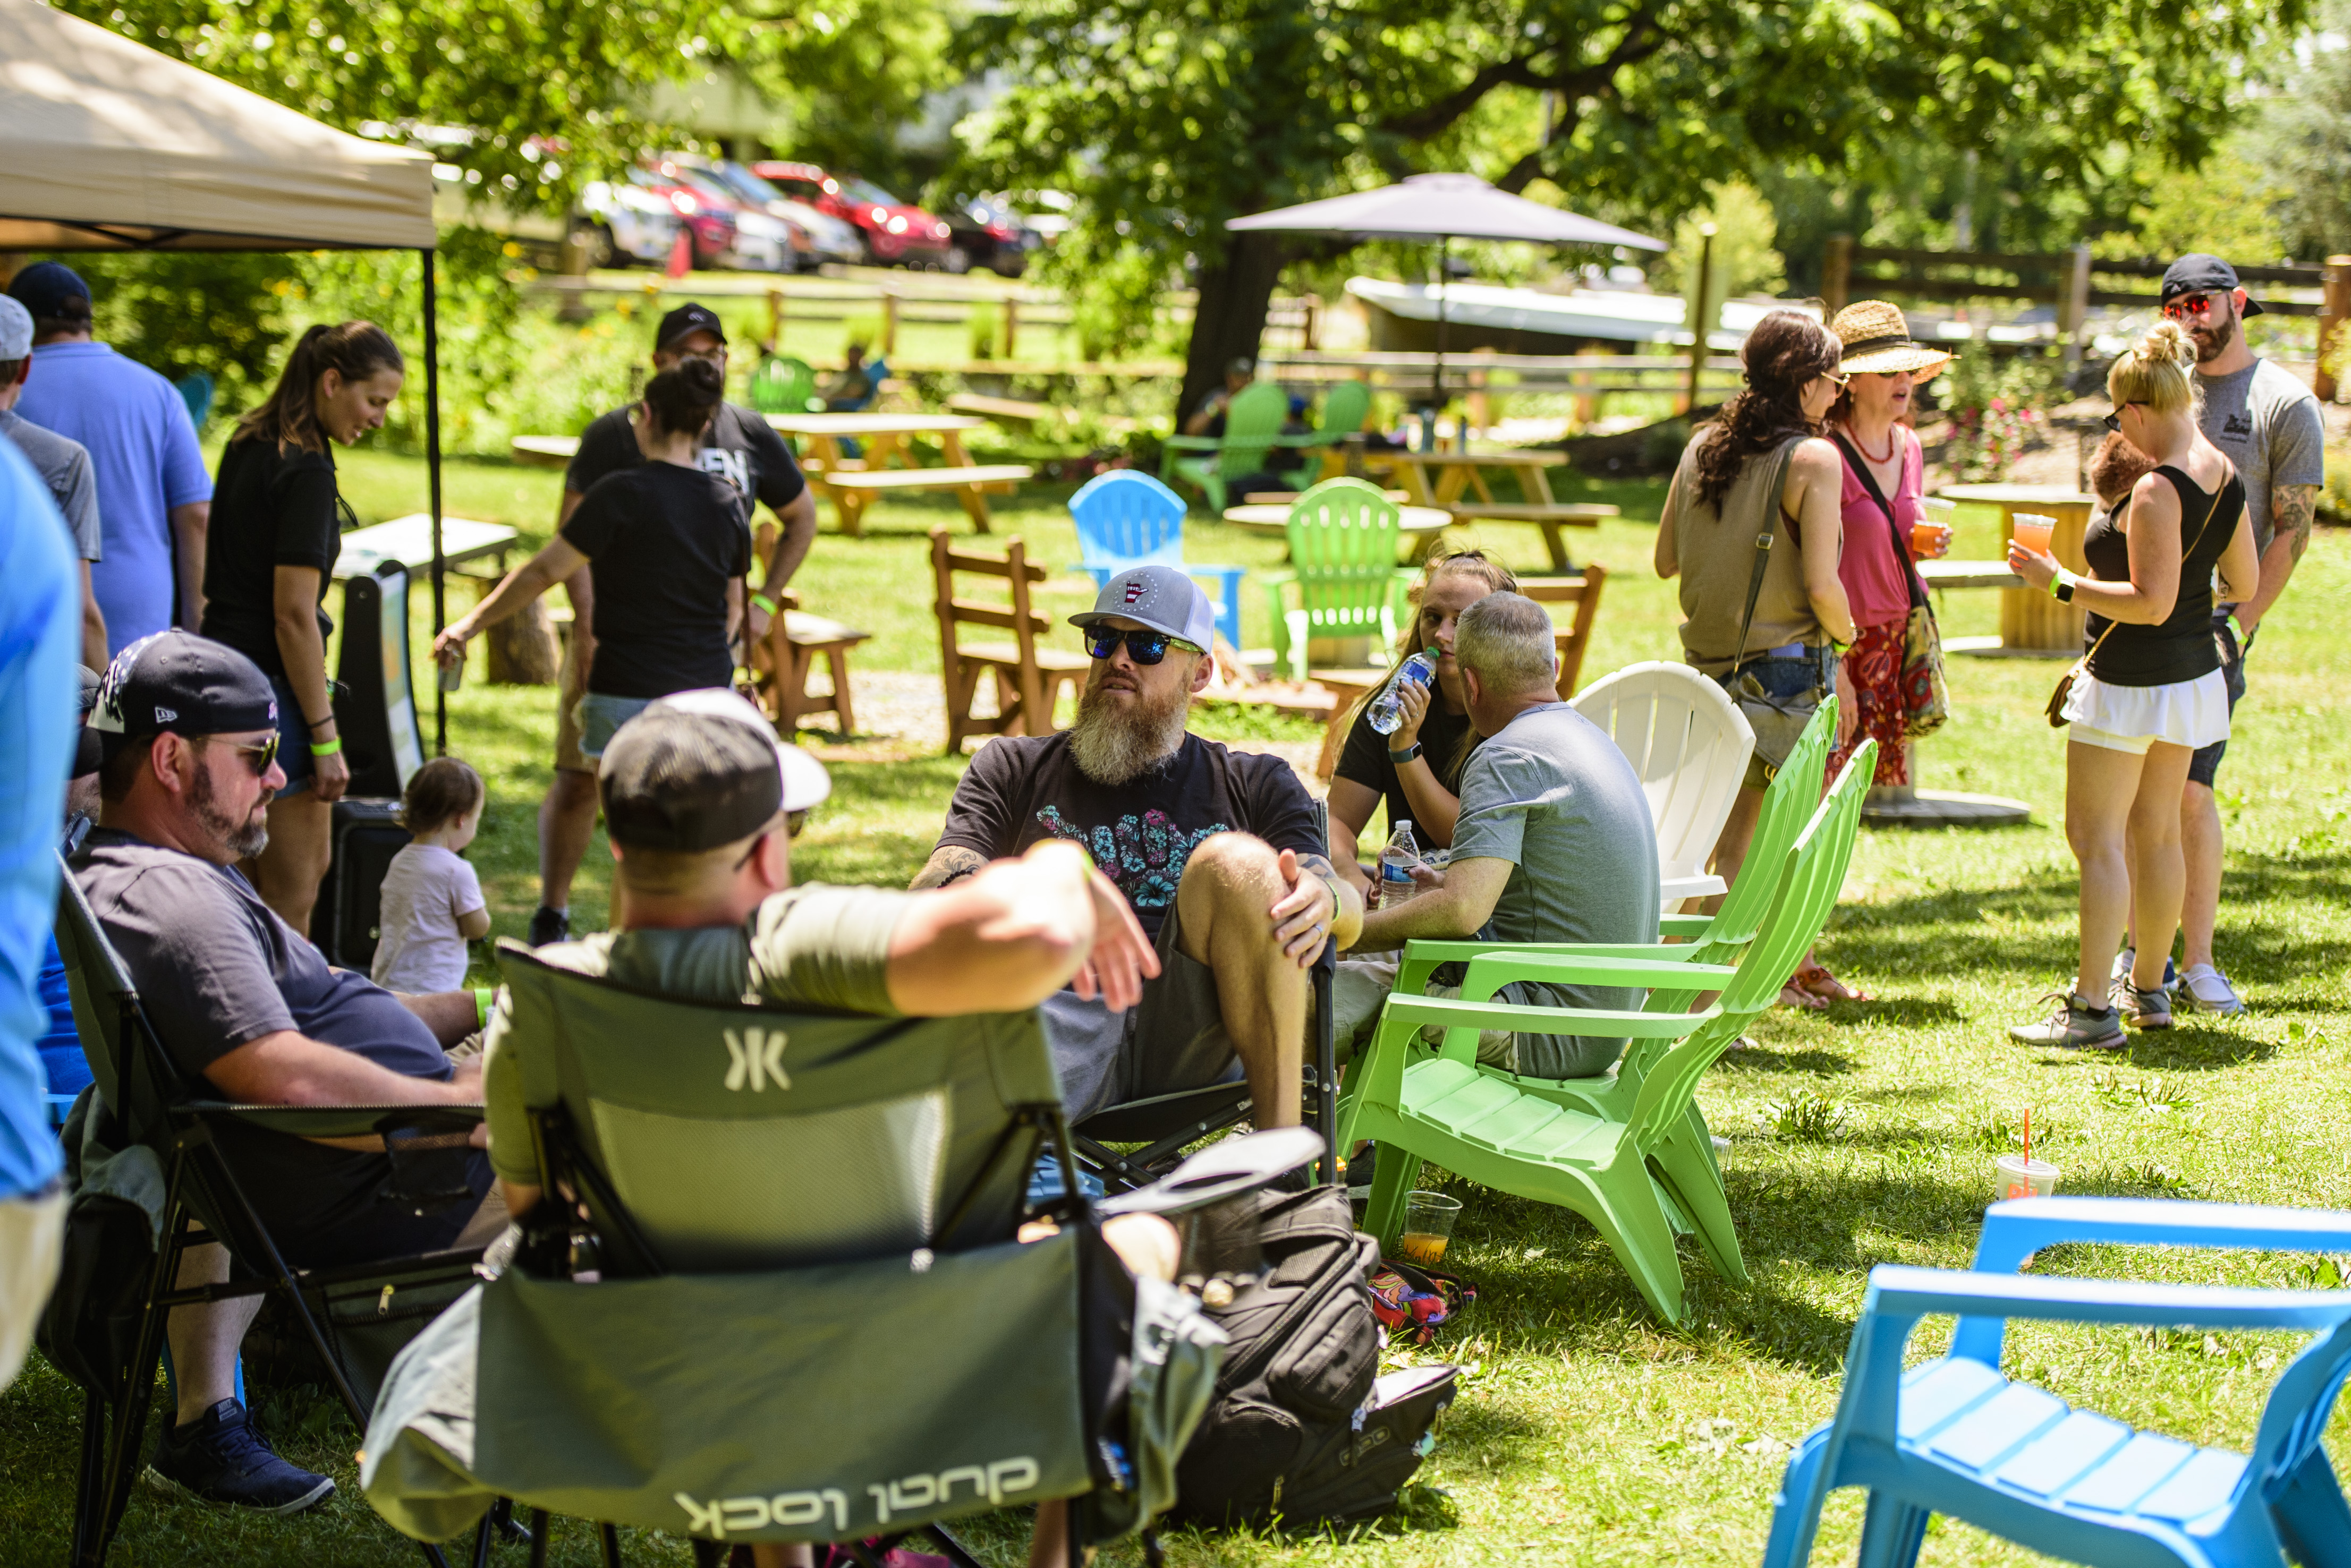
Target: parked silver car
x=822 y=236
x=626 y=223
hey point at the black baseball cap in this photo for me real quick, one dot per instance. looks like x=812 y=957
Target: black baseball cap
x=88 y=752
x=51 y=289
x=178 y=682
x=2200 y=274
x=687 y=321
x=699 y=769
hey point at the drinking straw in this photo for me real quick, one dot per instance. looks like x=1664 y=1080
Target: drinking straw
x=2028 y=1137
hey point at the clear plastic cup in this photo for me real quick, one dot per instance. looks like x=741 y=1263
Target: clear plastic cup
x=1428 y=1219
x=2032 y=531
x=1930 y=535
x=2013 y=1176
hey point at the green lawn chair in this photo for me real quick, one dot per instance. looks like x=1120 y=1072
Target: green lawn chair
x=784 y=385
x=1253 y=421
x=1627 y=1176
x=1344 y=408
x=1342 y=555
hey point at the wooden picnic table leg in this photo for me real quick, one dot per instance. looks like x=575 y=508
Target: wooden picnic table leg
x=879 y=449
x=1557 y=546
x=1415 y=479
x=1451 y=483
x=1538 y=481
x=837 y=659
x=951 y=447
x=1478 y=478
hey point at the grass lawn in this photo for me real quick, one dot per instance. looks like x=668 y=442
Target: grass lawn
x=1587 y=1433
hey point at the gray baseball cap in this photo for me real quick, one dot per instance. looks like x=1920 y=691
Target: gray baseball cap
x=1160 y=597
x=15 y=330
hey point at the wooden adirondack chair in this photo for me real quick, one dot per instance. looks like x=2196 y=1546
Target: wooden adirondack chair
x=784 y=385
x=1029 y=678
x=1627 y=1176
x=1128 y=519
x=1689 y=744
x=1343 y=551
x=1253 y=421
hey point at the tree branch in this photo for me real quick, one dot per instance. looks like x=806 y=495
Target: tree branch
x=1641 y=39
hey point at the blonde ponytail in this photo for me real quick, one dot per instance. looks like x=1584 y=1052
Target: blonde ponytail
x=2159 y=374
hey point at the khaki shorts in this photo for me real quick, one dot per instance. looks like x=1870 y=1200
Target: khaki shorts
x=569 y=686
x=1360 y=989
x=32 y=1238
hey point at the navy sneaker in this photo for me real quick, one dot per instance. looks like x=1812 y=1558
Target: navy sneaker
x=218 y=1458
x=549 y=925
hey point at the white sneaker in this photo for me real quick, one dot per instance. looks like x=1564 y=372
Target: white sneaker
x=2205 y=990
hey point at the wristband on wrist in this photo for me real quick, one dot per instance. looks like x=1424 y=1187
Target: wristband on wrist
x=329 y=750
x=483 y=997
x=762 y=602
x=1407 y=754
x=2061 y=587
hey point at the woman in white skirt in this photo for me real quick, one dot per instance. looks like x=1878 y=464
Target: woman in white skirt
x=2153 y=692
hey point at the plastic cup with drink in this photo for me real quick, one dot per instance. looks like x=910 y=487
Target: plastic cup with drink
x=1930 y=535
x=2032 y=530
x=2021 y=1175
x=1428 y=1219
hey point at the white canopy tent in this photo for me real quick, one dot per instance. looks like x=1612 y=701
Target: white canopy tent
x=111 y=146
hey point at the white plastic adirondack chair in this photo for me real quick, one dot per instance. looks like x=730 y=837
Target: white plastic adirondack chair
x=1689 y=744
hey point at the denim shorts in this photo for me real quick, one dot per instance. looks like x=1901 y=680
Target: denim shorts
x=1778 y=697
x=601 y=717
x=2206 y=763
x=293 y=740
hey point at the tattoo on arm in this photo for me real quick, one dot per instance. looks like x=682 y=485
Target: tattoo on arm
x=2293 y=508
x=948 y=862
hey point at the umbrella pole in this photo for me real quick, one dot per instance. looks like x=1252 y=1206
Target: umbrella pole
x=432 y=482
x=1437 y=390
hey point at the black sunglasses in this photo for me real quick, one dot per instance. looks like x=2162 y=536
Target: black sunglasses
x=793 y=822
x=260 y=758
x=1143 y=646
x=2113 y=420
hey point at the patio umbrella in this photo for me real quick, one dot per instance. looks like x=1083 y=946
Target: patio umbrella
x=1443 y=207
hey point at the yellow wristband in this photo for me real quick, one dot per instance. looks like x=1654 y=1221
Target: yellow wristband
x=482 y=998
x=329 y=750
x=764 y=603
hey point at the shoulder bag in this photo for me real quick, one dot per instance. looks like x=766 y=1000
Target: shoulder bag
x=1926 y=691
x=2056 y=708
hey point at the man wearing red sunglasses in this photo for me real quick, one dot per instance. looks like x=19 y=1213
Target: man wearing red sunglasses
x=2267 y=421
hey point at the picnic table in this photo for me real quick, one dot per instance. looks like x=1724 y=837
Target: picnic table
x=1420 y=526
x=543 y=450
x=409 y=541
x=1440 y=479
x=852 y=483
x=2033 y=625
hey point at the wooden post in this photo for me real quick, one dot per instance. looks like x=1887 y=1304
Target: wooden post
x=774 y=320
x=2333 y=322
x=1311 y=334
x=2073 y=308
x=1011 y=326
x=1837 y=272
x=889 y=322
x=1699 y=321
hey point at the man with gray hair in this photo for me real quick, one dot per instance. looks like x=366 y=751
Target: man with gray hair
x=1553 y=844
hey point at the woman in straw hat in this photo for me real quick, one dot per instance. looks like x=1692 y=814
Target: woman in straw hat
x=1870 y=424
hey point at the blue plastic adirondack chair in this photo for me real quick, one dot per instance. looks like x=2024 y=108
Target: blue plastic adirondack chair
x=1125 y=517
x=195 y=390
x=1955 y=1436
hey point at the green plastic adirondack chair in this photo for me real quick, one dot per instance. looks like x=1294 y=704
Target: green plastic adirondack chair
x=784 y=385
x=1342 y=555
x=1253 y=421
x=1625 y=1176
x=1344 y=408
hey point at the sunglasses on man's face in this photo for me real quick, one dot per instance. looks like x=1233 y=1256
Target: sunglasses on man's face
x=260 y=758
x=1143 y=647
x=2189 y=304
x=793 y=822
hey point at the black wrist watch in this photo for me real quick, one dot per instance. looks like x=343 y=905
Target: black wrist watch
x=1407 y=754
x=2065 y=591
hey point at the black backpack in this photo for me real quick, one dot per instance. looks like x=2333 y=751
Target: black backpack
x=1304 y=1430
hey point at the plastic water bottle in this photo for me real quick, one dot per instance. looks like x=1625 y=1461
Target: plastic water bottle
x=1397 y=859
x=1387 y=711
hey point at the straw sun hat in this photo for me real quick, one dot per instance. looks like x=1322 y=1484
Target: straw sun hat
x=1877 y=342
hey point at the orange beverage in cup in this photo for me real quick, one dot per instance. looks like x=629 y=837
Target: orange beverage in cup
x=1428 y=1219
x=1420 y=1248
x=1930 y=535
x=2032 y=531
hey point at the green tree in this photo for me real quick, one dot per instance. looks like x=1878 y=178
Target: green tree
x=2303 y=140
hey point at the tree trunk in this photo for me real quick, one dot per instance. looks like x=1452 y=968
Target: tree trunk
x=1231 y=316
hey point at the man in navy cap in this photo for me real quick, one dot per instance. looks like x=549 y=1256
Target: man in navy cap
x=2267 y=423
x=246 y=1005
x=1218 y=852
x=737 y=446
x=154 y=498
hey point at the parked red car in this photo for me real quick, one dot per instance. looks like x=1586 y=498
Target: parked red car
x=896 y=233
x=713 y=231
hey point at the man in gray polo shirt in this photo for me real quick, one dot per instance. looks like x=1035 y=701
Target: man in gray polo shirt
x=64 y=467
x=1554 y=843
x=2267 y=423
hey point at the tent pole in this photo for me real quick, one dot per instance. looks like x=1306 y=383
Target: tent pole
x=433 y=481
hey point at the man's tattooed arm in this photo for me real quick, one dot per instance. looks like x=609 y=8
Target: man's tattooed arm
x=948 y=863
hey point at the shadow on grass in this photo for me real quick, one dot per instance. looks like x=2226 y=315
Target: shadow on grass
x=1762 y=1058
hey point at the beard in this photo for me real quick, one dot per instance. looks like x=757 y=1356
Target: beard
x=243 y=840
x=2214 y=340
x=1113 y=744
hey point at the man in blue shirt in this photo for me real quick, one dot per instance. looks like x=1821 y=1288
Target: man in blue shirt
x=154 y=498
x=40 y=628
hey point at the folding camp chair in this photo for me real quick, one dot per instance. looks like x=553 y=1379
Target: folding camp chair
x=150 y=1106
x=779 y=1213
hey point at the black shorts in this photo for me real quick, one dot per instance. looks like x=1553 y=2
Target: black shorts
x=2206 y=763
x=1174 y=1039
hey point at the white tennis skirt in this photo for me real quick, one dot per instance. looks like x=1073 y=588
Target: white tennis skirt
x=2132 y=718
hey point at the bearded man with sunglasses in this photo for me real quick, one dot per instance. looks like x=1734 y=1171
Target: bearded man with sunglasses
x=1218 y=854
x=2269 y=424
x=248 y=1007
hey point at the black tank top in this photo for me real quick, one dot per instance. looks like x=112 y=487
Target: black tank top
x=2181 y=647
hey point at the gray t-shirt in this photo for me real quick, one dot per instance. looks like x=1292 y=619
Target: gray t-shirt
x=64 y=467
x=1553 y=796
x=2269 y=424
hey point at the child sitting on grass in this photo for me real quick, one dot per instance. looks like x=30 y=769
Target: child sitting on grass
x=432 y=900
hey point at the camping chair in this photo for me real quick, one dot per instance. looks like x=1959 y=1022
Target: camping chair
x=1126 y=518
x=1028 y=676
x=1167 y=1125
x=785 y=1213
x=166 y=1159
x=1253 y=421
x=1343 y=551
x=1955 y=1436
x=1689 y=744
x=782 y=384
x=1634 y=1178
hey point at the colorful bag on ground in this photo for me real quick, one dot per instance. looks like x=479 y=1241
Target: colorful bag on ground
x=1407 y=1297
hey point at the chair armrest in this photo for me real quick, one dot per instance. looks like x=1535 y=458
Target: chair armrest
x=1451 y=1012
x=326 y=1121
x=1491 y=971
x=1193 y=443
x=1685 y=925
x=2015 y=1229
x=1902 y=1292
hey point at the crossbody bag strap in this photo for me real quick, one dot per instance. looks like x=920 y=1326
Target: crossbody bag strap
x=1779 y=483
x=1869 y=482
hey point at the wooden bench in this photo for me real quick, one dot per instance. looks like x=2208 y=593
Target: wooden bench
x=1011 y=410
x=852 y=492
x=1550 y=516
x=796 y=640
x=1029 y=678
x=1569 y=642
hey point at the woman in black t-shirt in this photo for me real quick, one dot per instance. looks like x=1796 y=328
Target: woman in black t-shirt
x=1417 y=770
x=275 y=531
x=667 y=546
